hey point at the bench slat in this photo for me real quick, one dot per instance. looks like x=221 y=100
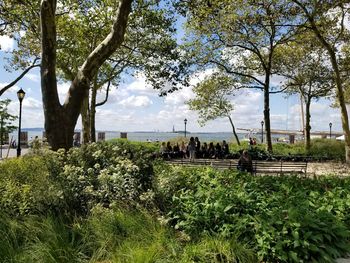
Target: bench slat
x=258 y=166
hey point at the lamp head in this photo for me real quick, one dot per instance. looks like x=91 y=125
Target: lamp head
x=20 y=95
x=262 y=123
x=330 y=125
x=185 y=120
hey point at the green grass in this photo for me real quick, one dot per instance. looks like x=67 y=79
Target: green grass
x=108 y=236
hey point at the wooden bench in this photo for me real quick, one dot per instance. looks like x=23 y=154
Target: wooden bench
x=261 y=167
x=279 y=167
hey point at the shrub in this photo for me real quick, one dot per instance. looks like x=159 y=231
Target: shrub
x=285 y=219
x=25 y=186
x=103 y=173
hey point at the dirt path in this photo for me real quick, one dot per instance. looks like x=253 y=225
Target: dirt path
x=324 y=168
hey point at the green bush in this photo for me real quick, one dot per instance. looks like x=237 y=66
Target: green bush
x=285 y=219
x=328 y=149
x=74 y=181
x=25 y=186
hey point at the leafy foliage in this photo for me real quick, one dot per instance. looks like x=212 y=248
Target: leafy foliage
x=285 y=219
x=6 y=120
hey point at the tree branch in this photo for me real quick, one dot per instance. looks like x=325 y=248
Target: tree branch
x=19 y=77
x=235 y=72
x=106 y=98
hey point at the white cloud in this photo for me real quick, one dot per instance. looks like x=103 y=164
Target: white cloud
x=115 y=94
x=32 y=104
x=140 y=86
x=179 y=97
x=136 y=101
x=33 y=77
x=6 y=43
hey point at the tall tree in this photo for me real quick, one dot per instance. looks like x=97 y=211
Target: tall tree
x=326 y=19
x=213 y=99
x=305 y=65
x=240 y=38
x=85 y=57
x=60 y=120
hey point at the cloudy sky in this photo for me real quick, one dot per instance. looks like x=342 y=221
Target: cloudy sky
x=135 y=106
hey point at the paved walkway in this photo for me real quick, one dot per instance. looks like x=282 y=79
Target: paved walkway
x=11 y=152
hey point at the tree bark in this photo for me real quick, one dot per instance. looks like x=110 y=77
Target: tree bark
x=61 y=120
x=234 y=130
x=307 y=124
x=93 y=112
x=267 y=97
x=59 y=128
x=85 y=120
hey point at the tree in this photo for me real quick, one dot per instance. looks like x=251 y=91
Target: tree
x=306 y=67
x=91 y=63
x=6 y=120
x=149 y=46
x=60 y=120
x=239 y=39
x=326 y=19
x=212 y=99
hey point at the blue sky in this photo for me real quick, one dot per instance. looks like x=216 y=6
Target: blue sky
x=135 y=106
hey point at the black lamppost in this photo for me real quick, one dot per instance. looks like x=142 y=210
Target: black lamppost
x=262 y=131
x=330 y=130
x=185 y=121
x=20 y=95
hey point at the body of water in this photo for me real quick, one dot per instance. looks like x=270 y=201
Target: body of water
x=149 y=136
x=162 y=136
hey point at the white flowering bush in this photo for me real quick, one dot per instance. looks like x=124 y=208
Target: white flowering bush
x=73 y=182
x=102 y=173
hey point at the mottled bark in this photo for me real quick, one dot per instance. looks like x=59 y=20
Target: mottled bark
x=59 y=127
x=61 y=120
x=85 y=120
x=93 y=112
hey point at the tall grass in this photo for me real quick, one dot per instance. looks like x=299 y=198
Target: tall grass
x=109 y=236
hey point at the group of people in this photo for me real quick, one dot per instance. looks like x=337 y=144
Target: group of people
x=252 y=142
x=195 y=149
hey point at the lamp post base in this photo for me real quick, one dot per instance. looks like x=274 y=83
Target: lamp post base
x=18 y=152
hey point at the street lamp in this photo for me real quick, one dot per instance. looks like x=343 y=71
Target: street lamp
x=20 y=96
x=185 y=121
x=330 y=130
x=262 y=131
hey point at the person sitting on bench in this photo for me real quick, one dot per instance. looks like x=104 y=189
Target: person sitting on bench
x=245 y=163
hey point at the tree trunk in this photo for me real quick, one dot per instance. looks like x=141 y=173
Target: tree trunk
x=58 y=126
x=307 y=124
x=267 y=97
x=267 y=113
x=60 y=120
x=234 y=130
x=93 y=113
x=85 y=120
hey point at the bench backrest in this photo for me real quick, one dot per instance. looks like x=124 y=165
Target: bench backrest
x=258 y=166
x=279 y=167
